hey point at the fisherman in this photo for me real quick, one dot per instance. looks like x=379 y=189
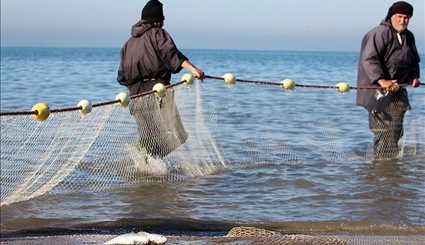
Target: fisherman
x=389 y=59
x=150 y=56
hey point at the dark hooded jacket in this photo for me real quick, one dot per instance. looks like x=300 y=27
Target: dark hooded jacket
x=149 y=54
x=383 y=57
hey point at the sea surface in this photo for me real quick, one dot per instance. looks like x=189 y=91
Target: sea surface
x=323 y=175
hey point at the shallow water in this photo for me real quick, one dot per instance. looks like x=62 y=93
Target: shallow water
x=296 y=156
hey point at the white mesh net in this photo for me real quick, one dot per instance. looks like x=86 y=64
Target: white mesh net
x=71 y=152
x=159 y=141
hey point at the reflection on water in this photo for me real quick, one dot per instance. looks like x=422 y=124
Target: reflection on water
x=163 y=200
x=391 y=187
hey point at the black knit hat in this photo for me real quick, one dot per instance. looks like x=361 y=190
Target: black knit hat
x=400 y=7
x=152 y=12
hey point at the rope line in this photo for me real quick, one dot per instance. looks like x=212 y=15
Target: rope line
x=77 y=108
x=152 y=91
x=105 y=103
x=66 y=109
x=298 y=85
x=18 y=113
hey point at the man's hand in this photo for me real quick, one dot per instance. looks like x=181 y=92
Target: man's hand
x=389 y=85
x=416 y=83
x=198 y=73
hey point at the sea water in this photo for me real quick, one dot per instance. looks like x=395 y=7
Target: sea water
x=300 y=182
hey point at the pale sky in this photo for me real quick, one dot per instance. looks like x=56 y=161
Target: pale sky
x=334 y=25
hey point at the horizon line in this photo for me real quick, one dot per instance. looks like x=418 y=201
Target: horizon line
x=183 y=48
x=200 y=49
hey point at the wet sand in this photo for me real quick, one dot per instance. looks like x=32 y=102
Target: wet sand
x=182 y=240
x=236 y=235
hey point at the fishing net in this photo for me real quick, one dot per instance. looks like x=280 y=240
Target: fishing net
x=263 y=236
x=190 y=132
x=107 y=148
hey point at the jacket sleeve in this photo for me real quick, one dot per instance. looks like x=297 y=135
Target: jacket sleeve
x=121 y=78
x=372 y=55
x=416 y=70
x=168 y=52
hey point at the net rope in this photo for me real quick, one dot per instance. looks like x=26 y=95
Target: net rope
x=71 y=152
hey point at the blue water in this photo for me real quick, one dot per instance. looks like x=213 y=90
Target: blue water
x=305 y=182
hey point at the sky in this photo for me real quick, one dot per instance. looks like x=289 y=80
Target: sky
x=313 y=25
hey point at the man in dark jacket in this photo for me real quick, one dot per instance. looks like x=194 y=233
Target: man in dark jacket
x=149 y=57
x=150 y=53
x=389 y=59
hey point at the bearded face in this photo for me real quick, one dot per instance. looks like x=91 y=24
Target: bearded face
x=400 y=22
